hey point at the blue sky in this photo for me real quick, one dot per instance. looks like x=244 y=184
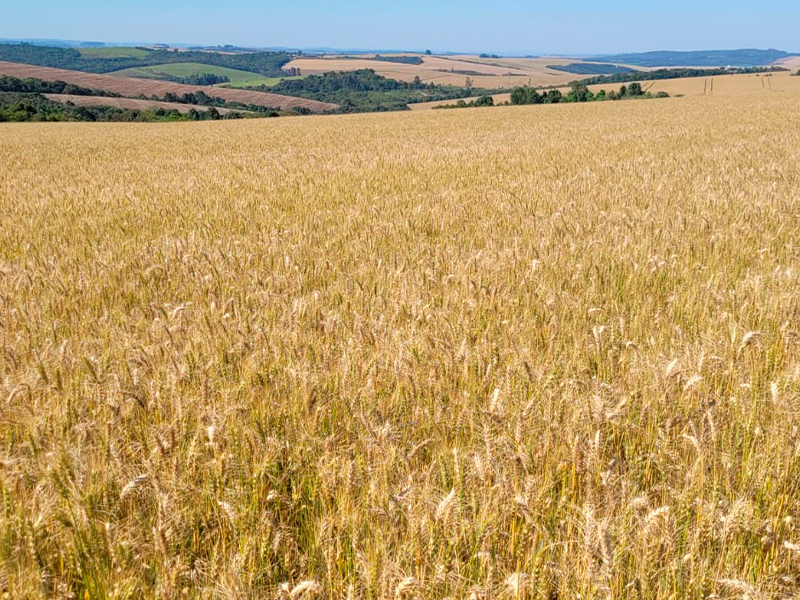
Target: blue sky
x=512 y=26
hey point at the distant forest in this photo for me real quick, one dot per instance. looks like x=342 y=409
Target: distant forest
x=675 y=74
x=591 y=69
x=700 y=58
x=268 y=64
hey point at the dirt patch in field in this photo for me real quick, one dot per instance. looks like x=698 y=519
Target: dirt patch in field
x=129 y=86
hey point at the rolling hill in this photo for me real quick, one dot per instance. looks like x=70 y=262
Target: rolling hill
x=106 y=60
x=485 y=73
x=700 y=58
x=131 y=103
x=131 y=87
x=188 y=69
x=114 y=52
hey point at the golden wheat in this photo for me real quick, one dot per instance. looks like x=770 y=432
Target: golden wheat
x=503 y=353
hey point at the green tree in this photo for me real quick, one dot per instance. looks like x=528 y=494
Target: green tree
x=580 y=93
x=553 y=97
x=635 y=89
x=526 y=95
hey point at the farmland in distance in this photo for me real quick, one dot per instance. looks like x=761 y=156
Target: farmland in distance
x=236 y=76
x=449 y=70
x=130 y=86
x=781 y=82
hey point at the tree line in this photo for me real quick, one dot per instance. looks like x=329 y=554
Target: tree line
x=478 y=102
x=17 y=107
x=579 y=92
x=685 y=73
x=202 y=99
x=31 y=85
x=195 y=78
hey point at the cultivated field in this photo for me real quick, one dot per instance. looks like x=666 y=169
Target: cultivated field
x=484 y=73
x=258 y=81
x=113 y=52
x=527 y=352
x=792 y=63
x=236 y=76
x=132 y=103
x=498 y=99
x=720 y=85
x=129 y=86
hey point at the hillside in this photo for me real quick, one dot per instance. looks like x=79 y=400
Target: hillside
x=235 y=77
x=106 y=60
x=700 y=58
x=131 y=87
x=131 y=103
x=489 y=73
x=783 y=83
x=113 y=52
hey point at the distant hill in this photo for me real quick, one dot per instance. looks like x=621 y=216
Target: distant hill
x=107 y=60
x=698 y=58
x=132 y=88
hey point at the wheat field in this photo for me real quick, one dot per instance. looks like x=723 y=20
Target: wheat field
x=723 y=85
x=541 y=352
x=488 y=73
x=720 y=85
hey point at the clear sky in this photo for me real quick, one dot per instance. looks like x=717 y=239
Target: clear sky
x=511 y=26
